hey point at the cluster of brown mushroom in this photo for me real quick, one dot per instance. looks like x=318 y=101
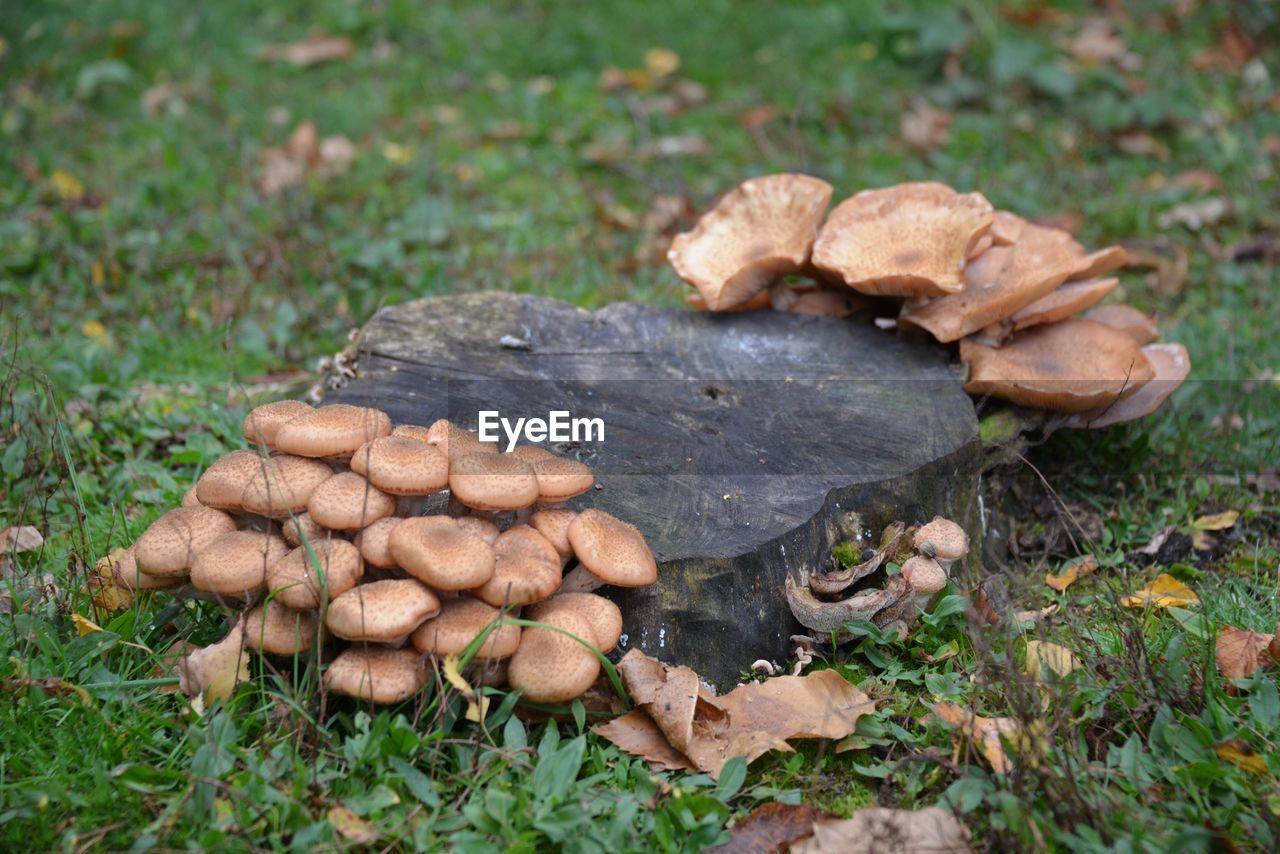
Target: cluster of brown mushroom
x=1007 y=289
x=924 y=554
x=318 y=531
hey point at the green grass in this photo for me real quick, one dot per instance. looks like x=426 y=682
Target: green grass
x=524 y=174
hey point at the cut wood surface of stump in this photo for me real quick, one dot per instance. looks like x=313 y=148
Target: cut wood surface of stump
x=743 y=446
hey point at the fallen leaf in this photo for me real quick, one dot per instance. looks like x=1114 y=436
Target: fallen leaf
x=984 y=733
x=1216 y=522
x=1241 y=652
x=1195 y=215
x=661 y=62
x=1240 y=754
x=20 y=539
x=1165 y=592
x=925 y=127
x=875 y=829
x=213 y=672
x=771 y=827
x=396 y=153
x=1056 y=659
x=1079 y=568
x=1036 y=616
x=1098 y=42
x=350 y=826
x=84 y=626
x=312 y=51
x=66 y=185
x=477 y=706
x=53 y=685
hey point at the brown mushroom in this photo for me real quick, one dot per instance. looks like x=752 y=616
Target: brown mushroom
x=493 y=481
x=235 y=564
x=1172 y=366
x=1128 y=320
x=283 y=484
x=1097 y=264
x=926 y=577
x=336 y=430
x=273 y=628
x=382 y=611
x=551 y=667
x=222 y=484
x=348 y=502
x=298 y=578
x=526 y=569
x=376 y=674
x=399 y=465
x=454 y=441
x=553 y=523
x=374 y=542
x=122 y=565
x=295 y=529
x=461 y=621
x=609 y=551
x=442 y=552
x=604 y=616
x=942 y=540
x=561 y=478
x=263 y=422
x=760 y=302
x=167 y=548
x=1065 y=300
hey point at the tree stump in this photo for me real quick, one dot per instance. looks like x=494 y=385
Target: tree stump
x=744 y=446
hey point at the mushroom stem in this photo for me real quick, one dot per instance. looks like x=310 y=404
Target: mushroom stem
x=580 y=580
x=522 y=516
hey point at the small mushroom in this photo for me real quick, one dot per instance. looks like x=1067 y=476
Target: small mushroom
x=348 y=502
x=336 y=431
x=550 y=667
x=374 y=542
x=376 y=674
x=282 y=486
x=1126 y=319
x=826 y=303
x=461 y=621
x=942 y=540
x=454 y=441
x=235 y=564
x=926 y=577
x=553 y=523
x=493 y=481
x=167 y=548
x=298 y=582
x=382 y=611
x=1172 y=366
x=222 y=484
x=122 y=565
x=526 y=569
x=442 y=552
x=273 y=628
x=609 y=551
x=263 y=422
x=295 y=529
x=399 y=465
x=763 y=229
x=760 y=302
x=604 y=616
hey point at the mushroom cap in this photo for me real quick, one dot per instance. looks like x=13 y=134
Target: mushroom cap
x=381 y=611
x=561 y=478
x=1070 y=366
x=399 y=465
x=550 y=667
x=483 y=528
x=984 y=243
x=273 y=628
x=235 y=564
x=526 y=569
x=295 y=582
x=459 y=622
x=167 y=548
x=262 y=423
x=376 y=674
x=924 y=574
x=374 y=542
x=553 y=523
x=942 y=539
x=222 y=484
x=336 y=430
x=1128 y=320
x=1171 y=364
x=493 y=481
x=190 y=499
x=1005 y=228
x=123 y=566
x=604 y=616
x=1062 y=302
x=532 y=453
x=297 y=528
x=759 y=231
x=283 y=485
x=825 y=303
x=442 y=553
x=762 y=301
x=1002 y=281
x=908 y=240
x=348 y=502
x=612 y=550
x=413 y=431
x=1099 y=263
x=455 y=441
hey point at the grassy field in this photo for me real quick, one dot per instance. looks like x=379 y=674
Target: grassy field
x=149 y=289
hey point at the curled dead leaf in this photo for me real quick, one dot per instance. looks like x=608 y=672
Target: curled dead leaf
x=1240 y=754
x=1165 y=592
x=1051 y=657
x=876 y=829
x=770 y=827
x=984 y=733
x=1077 y=569
x=1241 y=652
x=350 y=826
x=213 y=672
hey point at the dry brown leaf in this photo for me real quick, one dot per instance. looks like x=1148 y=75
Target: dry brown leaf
x=1241 y=652
x=985 y=733
x=1036 y=615
x=771 y=827
x=876 y=829
x=351 y=826
x=20 y=539
x=1078 y=569
x=213 y=672
x=312 y=51
x=1165 y=592
x=1054 y=658
x=925 y=127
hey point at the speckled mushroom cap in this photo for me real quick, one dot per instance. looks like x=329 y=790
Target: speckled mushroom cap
x=1072 y=366
x=459 y=622
x=560 y=478
x=382 y=611
x=1126 y=319
x=1172 y=366
x=526 y=569
x=442 y=553
x=273 y=628
x=413 y=431
x=294 y=580
x=550 y=667
x=348 y=502
x=942 y=539
x=167 y=548
x=532 y=453
x=553 y=523
x=1001 y=282
x=263 y=422
x=283 y=485
x=826 y=303
x=924 y=574
x=604 y=616
x=909 y=240
x=761 y=230
x=1062 y=302
x=123 y=565
x=483 y=528
x=374 y=542
x=399 y=465
x=376 y=674
x=222 y=484
x=1005 y=228
x=235 y=564
x=190 y=499
x=612 y=550
x=295 y=529
x=455 y=441
x=1099 y=263
x=493 y=481
x=335 y=430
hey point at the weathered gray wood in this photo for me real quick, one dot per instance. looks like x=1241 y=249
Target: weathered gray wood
x=743 y=446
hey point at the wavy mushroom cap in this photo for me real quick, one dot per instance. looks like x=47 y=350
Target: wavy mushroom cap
x=762 y=230
x=924 y=574
x=376 y=674
x=442 y=553
x=1072 y=366
x=454 y=441
x=296 y=582
x=604 y=616
x=222 y=484
x=493 y=481
x=374 y=542
x=190 y=499
x=942 y=539
x=167 y=548
x=612 y=550
x=483 y=528
x=273 y=628
x=1126 y=319
x=122 y=564
x=461 y=621
x=553 y=523
x=336 y=430
x=1062 y=302
x=283 y=484
x=400 y=465
x=235 y=564
x=262 y=423
x=348 y=502
x=560 y=478
x=526 y=569
x=1099 y=263
x=909 y=240
x=295 y=529
x=381 y=611
x=1172 y=366
x=1005 y=228
x=550 y=667
x=1001 y=282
